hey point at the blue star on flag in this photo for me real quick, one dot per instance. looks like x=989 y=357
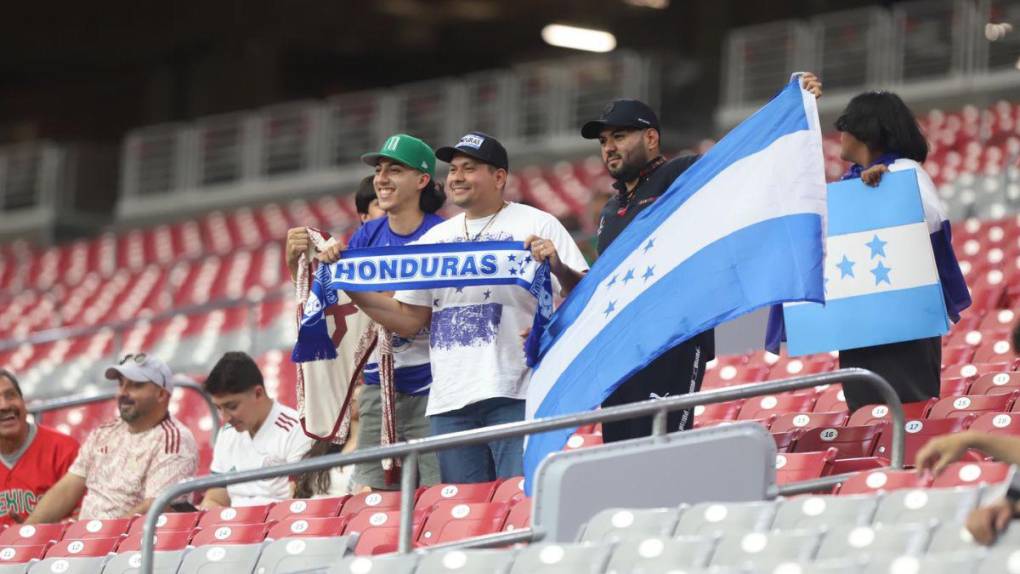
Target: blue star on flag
x=513 y=271
x=650 y=244
x=459 y=289
x=610 y=308
x=649 y=272
x=877 y=246
x=881 y=273
x=846 y=268
x=628 y=276
x=527 y=259
x=612 y=281
x=435 y=302
x=487 y=293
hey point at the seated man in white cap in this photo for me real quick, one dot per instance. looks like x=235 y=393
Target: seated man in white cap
x=125 y=463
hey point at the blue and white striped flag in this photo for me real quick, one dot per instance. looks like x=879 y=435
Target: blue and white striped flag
x=740 y=229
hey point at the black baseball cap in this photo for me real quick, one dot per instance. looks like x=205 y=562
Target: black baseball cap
x=621 y=114
x=480 y=146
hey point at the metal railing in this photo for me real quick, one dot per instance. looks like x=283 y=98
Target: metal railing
x=409 y=451
x=38 y=408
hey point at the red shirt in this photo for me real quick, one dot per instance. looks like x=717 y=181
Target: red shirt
x=43 y=463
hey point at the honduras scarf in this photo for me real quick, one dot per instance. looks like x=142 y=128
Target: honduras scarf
x=411 y=267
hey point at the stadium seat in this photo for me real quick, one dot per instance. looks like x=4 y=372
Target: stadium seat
x=376 y=501
x=791 y=421
x=314 y=508
x=879 y=540
x=1001 y=558
x=219 y=559
x=75 y=565
x=992 y=351
x=763 y=407
x=997 y=423
x=804 y=466
x=480 y=492
x=972 y=474
x=302 y=554
x=706 y=518
x=872 y=414
x=883 y=480
x=389 y=564
x=164 y=562
x=510 y=490
x=21 y=554
x=659 y=554
x=230 y=534
x=952 y=407
x=727 y=411
x=764 y=551
x=955 y=386
x=919 y=433
x=977 y=369
x=942 y=564
x=832 y=399
x=453 y=520
x=306 y=526
x=382 y=518
x=849 y=442
x=958 y=355
x=619 y=523
x=923 y=504
x=232 y=515
x=555 y=558
x=519 y=516
x=84 y=529
x=31 y=534
x=578 y=440
x=815 y=512
x=165 y=540
x=785 y=441
x=996 y=383
x=851 y=465
x=175 y=521
x=465 y=561
x=377 y=540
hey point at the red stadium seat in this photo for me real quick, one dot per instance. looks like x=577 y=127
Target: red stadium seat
x=791 y=421
x=450 y=520
x=972 y=473
x=718 y=412
x=170 y=521
x=760 y=408
x=952 y=407
x=234 y=515
x=958 y=355
x=165 y=540
x=977 y=369
x=997 y=423
x=785 y=441
x=994 y=350
x=732 y=375
x=377 y=540
x=368 y=519
x=831 y=399
x=230 y=534
x=872 y=481
x=996 y=383
x=848 y=465
x=578 y=440
x=22 y=554
x=306 y=526
x=519 y=516
x=78 y=548
x=314 y=508
x=872 y=414
x=375 y=501
x=955 y=386
x=803 y=466
x=85 y=529
x=919 y=432
x=849 y=442
x=510 y=490
x=31 y=534
x=479 y=492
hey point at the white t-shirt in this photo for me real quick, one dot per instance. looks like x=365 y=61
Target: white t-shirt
x=475 y=345
x=279 y=440
x=934 y=211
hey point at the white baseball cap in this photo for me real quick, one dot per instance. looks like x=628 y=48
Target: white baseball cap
x=142 y=368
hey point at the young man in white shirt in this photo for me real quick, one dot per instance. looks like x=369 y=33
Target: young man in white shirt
x=479 y=373
x=258 y=432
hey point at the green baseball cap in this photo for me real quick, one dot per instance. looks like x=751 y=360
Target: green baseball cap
x=407 y=150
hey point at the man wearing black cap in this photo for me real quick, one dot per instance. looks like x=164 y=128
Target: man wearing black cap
x=479 y=373
x=628 y=133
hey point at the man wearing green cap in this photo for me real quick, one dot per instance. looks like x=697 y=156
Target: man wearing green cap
x=405 y=168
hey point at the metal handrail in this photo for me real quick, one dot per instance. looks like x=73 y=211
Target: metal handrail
x=409 y=451
x=37 y=408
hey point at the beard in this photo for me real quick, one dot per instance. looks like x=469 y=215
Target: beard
x=630 y=167
x=128 y=411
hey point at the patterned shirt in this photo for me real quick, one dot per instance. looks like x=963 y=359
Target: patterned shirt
x=121 y=469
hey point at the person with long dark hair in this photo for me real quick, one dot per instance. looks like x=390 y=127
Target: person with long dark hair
x=879 y=134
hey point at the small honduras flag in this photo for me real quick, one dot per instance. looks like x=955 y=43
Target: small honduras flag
x=879 y=264
x=740 y=229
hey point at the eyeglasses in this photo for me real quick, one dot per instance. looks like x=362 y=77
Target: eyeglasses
x=136 y=357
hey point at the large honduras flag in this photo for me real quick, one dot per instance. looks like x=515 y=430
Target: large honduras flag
x=879 y=264
x=741 y=228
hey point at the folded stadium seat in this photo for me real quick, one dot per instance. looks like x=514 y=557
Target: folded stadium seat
x=995 y=384
x=997 y=423
x=378 y=540
x=849 y=442
x=919 y=433
x=995 y=350
x=166 y=540
x=973 y=474
x=367 y=519
x=764 y=551
x=85 y=529
x=619 y=523
x=389 y=564
x=955 y=386
x=230 y=534
x=816 y=512
x=1001 y=320
x=307 y=508
x=510 y=490
x=653 y=554
x=925 y=504
x=68 y=548
x=941 y=564
x=578 y=440
x=785 y=441
x=883 y=480
x=831 y=399
x=10 y=555
x=727 y=411
x=478 y=492
x=706 y=518
x=234 y=515
x=846 y=541
x=803 y=466
x=465 y=561
x=873 y=414
x=731 y=375
x=967 y=405
x=957 y=355
x=376 y=501
x=303 y=554
x=31 y=534
x=519 y=516
x=221 y=559
x=170 y=521
x=808 y=420
x=952 y=537
x=767 y=406
x=451 y=521
x=557 y=558
x=306 y=526
x=977 y=369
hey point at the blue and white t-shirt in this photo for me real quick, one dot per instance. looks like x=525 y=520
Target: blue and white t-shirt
x=412 y=372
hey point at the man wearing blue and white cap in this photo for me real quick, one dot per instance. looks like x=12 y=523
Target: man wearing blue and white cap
x=479 y=373
x=124 y=464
